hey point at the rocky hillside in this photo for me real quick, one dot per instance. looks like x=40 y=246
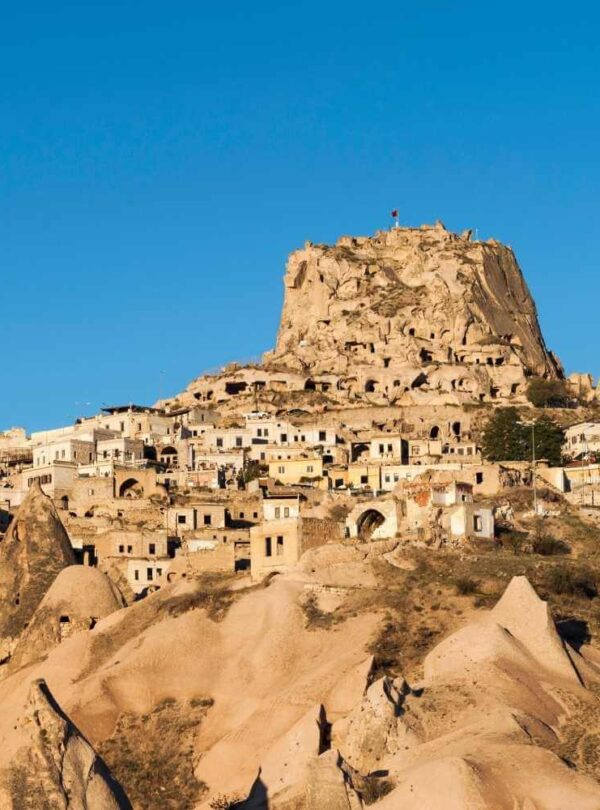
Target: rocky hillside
x=409 y=316
x=409 y=300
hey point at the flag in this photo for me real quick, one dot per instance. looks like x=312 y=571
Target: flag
x=394 y=213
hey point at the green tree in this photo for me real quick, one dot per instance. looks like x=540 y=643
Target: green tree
x=547 y=393
x=549 y=440
x=505 y=438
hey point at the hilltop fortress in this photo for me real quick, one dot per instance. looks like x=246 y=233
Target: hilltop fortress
x=411 y=316
x=273 y=590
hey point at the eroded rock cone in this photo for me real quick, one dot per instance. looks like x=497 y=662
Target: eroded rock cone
x=36 y=548
x=53 y=766
x=77 y=599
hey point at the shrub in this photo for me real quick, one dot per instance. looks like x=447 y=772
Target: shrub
x=225 y=802
x=548 y=546
x=547 y=393
x=339 y=512
x=513 y=540
x=374 y=788
x=315 y=617
x=566 y=581
x=465 y=586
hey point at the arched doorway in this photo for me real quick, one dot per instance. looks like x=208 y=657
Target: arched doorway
x=131 y=488
x=368 y=522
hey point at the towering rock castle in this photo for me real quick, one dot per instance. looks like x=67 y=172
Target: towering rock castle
x=409 y=316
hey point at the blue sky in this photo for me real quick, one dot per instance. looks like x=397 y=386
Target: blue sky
x=159 y=160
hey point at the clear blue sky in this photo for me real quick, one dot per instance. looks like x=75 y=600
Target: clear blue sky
x=159 y=160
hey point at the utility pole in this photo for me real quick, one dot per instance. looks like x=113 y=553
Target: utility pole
x=583 y=451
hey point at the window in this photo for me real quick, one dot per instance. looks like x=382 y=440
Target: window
x=479 y=478
x=302 y=438
x=159 y=572
x=90 y=491
x=283 y=437
x=322 y=436
x=309 y=468
x=277 y=511
x=151 y=548
x=387 y=479
x=149 y=574
x=136 y=574
x=219 y=442
x=268 y=550
x=286 y=511
x=279 y=546
x=477 y=523
x=381 y=448
x=390 y=448
x=364 y=479
x=207 y=520
x=129 y=549
x=259 y=432
x=255 y=515
x=242 y=514
x=281 y=469
x=181 y=519
x=121 y=549
x=238 y=441
x=122 y=424
x=266 y=431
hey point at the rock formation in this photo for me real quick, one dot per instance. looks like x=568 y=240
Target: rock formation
x=35 y=549
x=52 y=766
x=409 y=316
x=412 y=308
x=77 y=599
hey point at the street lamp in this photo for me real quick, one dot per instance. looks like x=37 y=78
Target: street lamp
x=532 y=426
